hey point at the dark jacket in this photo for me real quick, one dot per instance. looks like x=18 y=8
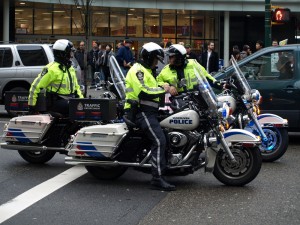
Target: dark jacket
x=79 y=55
x=124 y=53
x=93 y=57
x=213 y=65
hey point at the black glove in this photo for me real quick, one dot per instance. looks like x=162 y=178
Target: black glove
x=32 y=110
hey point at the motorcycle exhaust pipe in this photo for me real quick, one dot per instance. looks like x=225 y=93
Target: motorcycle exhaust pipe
x=30 y=148
x=90 y=162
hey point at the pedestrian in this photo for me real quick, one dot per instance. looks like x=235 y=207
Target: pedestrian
x=92 y=59
x=210 y=59
x=189 y=53
x=142 y=104
x=105 y=63
x=81 y=57
x=246 y=51
x=125 y=57
x=236 y=55
x=59 y=80
x=274 y=42
x=259 y=45
x=119 y=45
x=100 y=75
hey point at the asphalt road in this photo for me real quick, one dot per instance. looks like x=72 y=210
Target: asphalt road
x=272 y=198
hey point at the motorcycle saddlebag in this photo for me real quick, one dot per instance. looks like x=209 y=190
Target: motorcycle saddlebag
x=27 y=129
x=97 y=141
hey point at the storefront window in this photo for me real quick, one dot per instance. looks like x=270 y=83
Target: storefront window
x=78 y=20
x=151 y=23
x=118 y=22
x=43 y=21
x=197 y=25
x=168 y=24
x=100 y=26
x=61 y=19
x=183 y=24
x=135 y=23
x=24 y=23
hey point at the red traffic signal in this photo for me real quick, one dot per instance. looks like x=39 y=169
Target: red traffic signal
x=281 y=15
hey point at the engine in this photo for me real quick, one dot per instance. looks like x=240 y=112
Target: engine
x=179 y=144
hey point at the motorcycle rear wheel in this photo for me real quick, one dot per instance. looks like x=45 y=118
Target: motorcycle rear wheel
x=106 y=173
x=277 y=144
x=243 y=171
x=37 y=157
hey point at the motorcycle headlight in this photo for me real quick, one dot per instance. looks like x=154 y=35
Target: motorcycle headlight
x=224 y=111
x=255 y=95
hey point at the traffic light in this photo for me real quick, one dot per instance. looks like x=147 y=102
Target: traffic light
x=281 y=15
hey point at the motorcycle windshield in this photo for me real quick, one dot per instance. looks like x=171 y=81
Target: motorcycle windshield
x=117 y=77
x=242 y=81
x=207 y=93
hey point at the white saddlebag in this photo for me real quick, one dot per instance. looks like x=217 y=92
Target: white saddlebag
x=27 y=129
x=98 y=141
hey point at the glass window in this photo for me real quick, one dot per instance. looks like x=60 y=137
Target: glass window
x=183 y=24
x=78 y=20
x=61 y=19
x=197 y=24
x=271 y=66
x=100 y=23
x=118 y=22
x=43 y=21
x=6 y=57
x=32 y=55
x=168 y=24
x=23 y=20
x=135 y=23
x=151 y=23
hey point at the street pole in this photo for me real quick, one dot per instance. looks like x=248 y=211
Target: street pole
x=87 y=45
x=268 y=24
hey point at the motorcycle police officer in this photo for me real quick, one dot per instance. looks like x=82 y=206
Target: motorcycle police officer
x=59 y=80
x=180 y=72
x=143 y=91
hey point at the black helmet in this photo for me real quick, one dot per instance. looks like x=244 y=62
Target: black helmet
x=151 y=51
x=179 y=52
x=62 y=49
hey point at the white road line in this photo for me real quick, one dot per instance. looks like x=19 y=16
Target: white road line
x=28 y=198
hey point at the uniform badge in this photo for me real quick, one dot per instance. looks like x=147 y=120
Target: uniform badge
x=140 y=75
x=45 y=70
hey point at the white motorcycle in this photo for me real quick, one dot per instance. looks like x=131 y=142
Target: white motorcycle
x=195 y=139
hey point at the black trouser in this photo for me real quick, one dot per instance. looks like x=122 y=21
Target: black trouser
x=148 y=122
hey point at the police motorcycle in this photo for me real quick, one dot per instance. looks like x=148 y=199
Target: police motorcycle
x=37 y=138
x=244 y=102
x=195 y=139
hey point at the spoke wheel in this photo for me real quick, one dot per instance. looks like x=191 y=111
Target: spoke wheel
x=37 y=157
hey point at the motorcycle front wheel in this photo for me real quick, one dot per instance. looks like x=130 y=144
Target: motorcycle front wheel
x=239 y=173
x=278 y=141
x=106 y=173
x=37 y=157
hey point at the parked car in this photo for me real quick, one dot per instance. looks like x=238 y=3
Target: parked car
x=21 y=63
x=275 y=72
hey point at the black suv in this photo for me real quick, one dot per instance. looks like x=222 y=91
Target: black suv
x=275 y=72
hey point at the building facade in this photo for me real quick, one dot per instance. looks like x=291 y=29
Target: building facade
x=193 y=22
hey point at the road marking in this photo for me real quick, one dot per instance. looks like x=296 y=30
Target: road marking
x=28 y=198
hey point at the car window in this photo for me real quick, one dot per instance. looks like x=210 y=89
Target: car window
x=271 y=66
x=6 y=57
x=32 y=55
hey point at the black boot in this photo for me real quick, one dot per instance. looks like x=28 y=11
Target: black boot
x=159 y=183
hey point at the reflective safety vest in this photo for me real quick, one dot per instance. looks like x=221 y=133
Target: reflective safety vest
x=141 y=83
x=54 y=78
x=168 y=75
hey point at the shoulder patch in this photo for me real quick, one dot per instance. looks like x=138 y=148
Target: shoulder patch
x=45 y=70
x=140 y=75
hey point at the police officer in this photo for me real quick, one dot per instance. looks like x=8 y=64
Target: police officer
x=180 y=73
x=141 y=87
x=58 y=79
